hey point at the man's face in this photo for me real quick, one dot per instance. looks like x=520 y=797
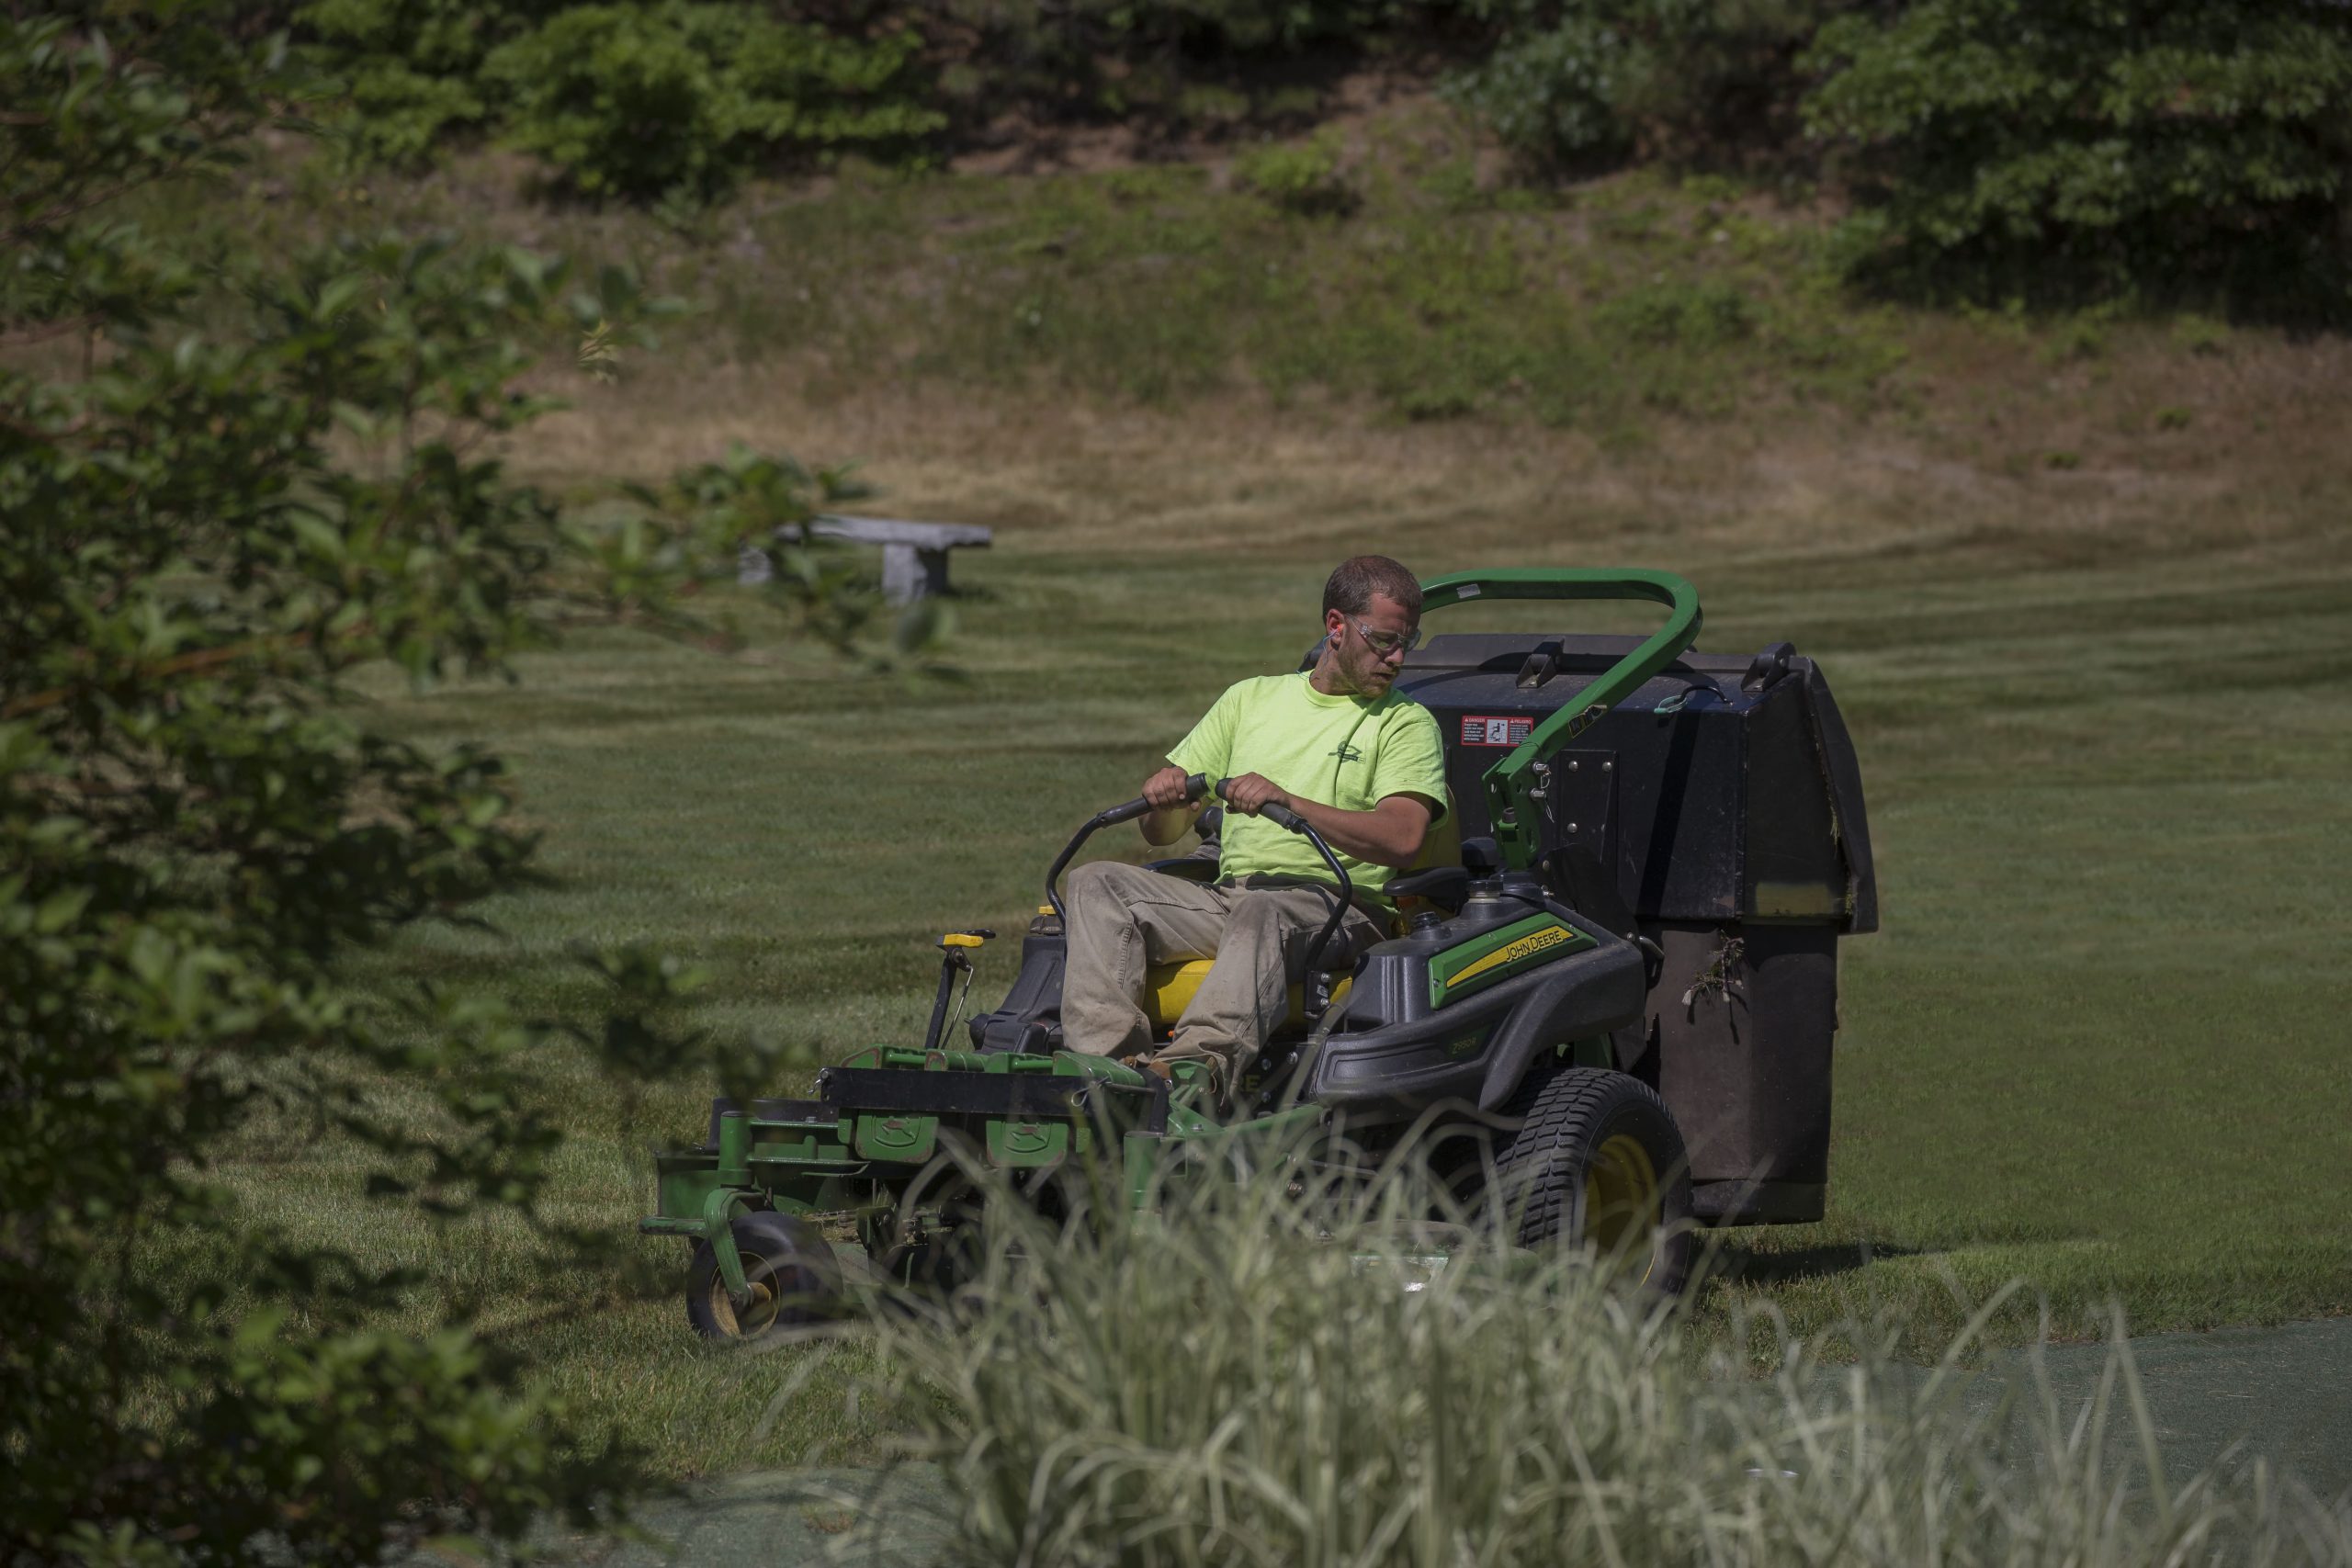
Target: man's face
x=1363 y=666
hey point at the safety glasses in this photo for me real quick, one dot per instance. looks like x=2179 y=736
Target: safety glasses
x=1387 y=643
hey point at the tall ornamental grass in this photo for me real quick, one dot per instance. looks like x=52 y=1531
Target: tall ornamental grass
x=1276 y=1373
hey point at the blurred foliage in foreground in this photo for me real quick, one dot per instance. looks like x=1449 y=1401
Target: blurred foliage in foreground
x=1272 y=1372
x=207 y=528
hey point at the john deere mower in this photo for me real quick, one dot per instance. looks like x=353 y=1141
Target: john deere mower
x=1614 y=993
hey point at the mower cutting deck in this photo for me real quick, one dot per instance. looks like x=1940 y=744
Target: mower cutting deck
x=1618 y=994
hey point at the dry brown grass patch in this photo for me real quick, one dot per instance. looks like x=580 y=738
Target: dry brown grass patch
x=2257 y=457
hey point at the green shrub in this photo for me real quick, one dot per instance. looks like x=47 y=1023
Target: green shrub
x=409 y=68
x=619 y=101
x=1552 y=94
x=1705 y=314
x=1145 y=62
x=1693 y=81
x=2085 y=148
x=399 y=118
x=637 y=102
x=193 y=572
x=1301 y=177
x=432 y=37
x=276 y=484
x=802 y=88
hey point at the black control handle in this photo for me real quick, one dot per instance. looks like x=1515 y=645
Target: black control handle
x=1284 y=817
x=1195 y=787
x=1280 y=815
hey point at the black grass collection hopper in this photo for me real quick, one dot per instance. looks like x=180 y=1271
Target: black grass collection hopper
x=1615 y=989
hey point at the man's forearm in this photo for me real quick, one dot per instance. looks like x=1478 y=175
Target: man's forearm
x=1167 y=824
x=1171 y=812
x=1390 y=834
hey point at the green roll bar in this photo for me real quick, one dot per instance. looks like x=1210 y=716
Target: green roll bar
x=1510 y=783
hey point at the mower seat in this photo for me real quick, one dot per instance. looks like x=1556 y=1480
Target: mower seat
x=1169 y=988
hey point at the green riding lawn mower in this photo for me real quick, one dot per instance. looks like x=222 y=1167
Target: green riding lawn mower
x=1612 y=996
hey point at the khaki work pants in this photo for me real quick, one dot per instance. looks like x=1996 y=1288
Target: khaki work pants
x=1123 y=918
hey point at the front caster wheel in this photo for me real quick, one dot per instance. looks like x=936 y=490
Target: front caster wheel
x=791 y=1272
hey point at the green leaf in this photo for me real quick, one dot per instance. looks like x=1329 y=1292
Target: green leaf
x=338 y=294
x=62 y=909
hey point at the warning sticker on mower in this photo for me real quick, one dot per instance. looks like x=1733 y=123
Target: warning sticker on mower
x=1479 y=730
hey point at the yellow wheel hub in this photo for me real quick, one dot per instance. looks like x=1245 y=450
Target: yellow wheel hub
x=1621 y=1206
x=758 y=1313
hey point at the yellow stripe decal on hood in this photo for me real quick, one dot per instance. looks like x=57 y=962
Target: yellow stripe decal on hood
x=1525 y=947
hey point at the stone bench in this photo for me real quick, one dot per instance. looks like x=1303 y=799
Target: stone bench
x=914 y=555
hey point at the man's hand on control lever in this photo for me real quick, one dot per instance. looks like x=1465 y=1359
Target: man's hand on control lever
x=1165 y=788
x=1171 y=812
x=1390 y=834
x=1248 y=792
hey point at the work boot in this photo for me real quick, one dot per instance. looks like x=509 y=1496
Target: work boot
x=1206 y=1073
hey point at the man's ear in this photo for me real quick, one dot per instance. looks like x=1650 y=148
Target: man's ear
x=1332 y=622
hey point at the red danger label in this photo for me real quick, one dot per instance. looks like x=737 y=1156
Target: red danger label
x=1479 y=731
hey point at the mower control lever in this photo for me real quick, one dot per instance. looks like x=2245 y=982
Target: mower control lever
x=1195 y=787
x=952 y=948
x=1280 y=815
x=1284 y=817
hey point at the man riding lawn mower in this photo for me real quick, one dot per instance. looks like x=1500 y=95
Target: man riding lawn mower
x=1610 y=987
x=1365 y=770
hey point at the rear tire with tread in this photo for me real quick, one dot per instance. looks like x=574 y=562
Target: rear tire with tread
x=1596 y=1159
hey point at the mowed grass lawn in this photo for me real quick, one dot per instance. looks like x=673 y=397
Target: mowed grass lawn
x=2100 y=1045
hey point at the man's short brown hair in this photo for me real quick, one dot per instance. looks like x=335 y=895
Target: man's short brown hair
x=1351 y=584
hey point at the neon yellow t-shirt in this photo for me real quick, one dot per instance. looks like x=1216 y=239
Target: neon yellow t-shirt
x=1345 y=751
